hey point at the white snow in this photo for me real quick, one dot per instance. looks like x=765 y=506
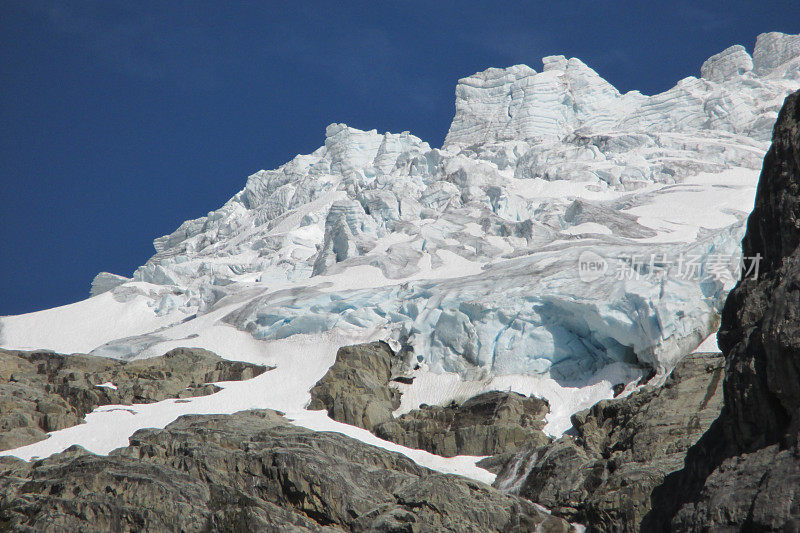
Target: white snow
x=84 y=325
x=588 y=227
x=708 y=345
x=705 y=201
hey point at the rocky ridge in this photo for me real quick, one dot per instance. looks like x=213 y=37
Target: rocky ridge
x=251 y=471
x=43 y=391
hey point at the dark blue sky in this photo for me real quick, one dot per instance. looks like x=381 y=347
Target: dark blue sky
x=122 y=119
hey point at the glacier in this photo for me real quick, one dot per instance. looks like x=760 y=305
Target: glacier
x=468 y=256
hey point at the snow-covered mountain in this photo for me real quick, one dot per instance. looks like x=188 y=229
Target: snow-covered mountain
x=563 y=238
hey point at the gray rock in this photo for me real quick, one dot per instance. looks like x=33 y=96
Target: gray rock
x=624 y=448
x=358 y=390
x=756 y=491
x=44 y=391
x=251 y=471
x=497 y=462
x=490 y=423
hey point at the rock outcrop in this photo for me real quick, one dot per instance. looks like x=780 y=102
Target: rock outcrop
x=251 y=471
x=624 y=448
x=358 y=390
x=744 y=474
x=44 y=391
x=487 y=424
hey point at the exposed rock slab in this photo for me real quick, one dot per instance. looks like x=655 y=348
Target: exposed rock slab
x=624 y=448
x=251 y=471
x=44 y=391
x=755 y=491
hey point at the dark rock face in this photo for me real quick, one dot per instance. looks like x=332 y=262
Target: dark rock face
x=45 y=391
x=755 y=491
x=625 y=447
x=251 y=471
x=487 y=424
x=359 y=389
x=744 y=473
x=761 y=318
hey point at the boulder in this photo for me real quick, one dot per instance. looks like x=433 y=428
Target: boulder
x=487 y=424
x=356 y=389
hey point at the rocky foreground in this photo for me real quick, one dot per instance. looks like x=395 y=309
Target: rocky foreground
x=255 y=471
x=251 y=471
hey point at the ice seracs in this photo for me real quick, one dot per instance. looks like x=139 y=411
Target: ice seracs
x=105 y=281
x=731 y=62
x=468 y=255
x=568 y=97
x=536 y=167
x=519 y=103
x=776 y=53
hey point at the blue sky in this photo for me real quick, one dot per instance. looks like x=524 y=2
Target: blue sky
x=123 y=119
